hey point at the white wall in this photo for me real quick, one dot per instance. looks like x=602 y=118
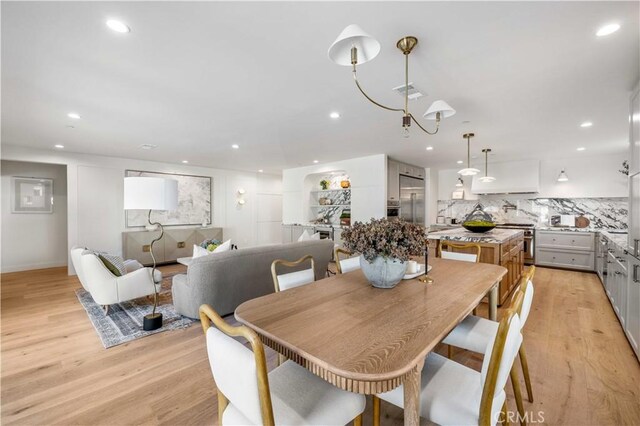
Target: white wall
x=589 y=177
x=368 y=178
x=95 y=198
x=34 y=241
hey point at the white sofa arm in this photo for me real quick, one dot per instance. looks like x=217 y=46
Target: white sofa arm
x=131 y=265
x=135 y=284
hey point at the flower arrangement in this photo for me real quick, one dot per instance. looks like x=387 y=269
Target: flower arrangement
x=394 y=239
x=210 y=245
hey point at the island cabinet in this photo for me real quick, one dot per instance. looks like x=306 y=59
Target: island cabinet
x=504 y=247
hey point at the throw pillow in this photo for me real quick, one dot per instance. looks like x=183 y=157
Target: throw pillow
x=200 y=251
x=115 y=264
x=226 y=246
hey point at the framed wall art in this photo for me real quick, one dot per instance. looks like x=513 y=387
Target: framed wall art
x=31 y=195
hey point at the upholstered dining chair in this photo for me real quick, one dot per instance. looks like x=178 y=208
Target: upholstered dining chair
x=474 y=333
x=292 y=279
x=288 y=395
x=453 y=394
x=349 y=263
x=468 y=257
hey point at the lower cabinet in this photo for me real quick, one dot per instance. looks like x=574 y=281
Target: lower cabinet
x=176 y=242
x=632 y=314
x=571 y=250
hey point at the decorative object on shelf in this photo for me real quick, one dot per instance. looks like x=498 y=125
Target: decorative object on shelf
x=31 y=195
x=345 y=184
x=194 y=201
x=345 y=217
x=324 y=201
x=353 y=45
x=469 y=171
x=486 y=178
x=385 y=247
x=562 y=177
x=151 y=193
x=324 y=184
x=478 y=220
x=625 y=168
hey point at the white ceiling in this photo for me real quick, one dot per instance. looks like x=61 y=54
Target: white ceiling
x=195 y=78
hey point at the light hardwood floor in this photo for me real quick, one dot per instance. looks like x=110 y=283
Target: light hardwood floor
x=55 y=370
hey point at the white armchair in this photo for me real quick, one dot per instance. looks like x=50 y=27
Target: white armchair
x=106 y=288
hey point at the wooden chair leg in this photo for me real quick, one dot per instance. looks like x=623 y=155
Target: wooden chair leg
x=358 y=420
x=525 y=371
x=376 y=411
x=504 y=414
x=105 y=309
x=515 y=382
x=222 y=404
x=475 y=311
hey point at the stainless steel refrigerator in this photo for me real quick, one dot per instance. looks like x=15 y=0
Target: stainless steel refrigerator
x=412 y=196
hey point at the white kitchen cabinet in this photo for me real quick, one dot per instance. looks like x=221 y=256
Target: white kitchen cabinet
x=393 y=180
x=634 y=133
x=571 y=250
x=632 y=316
x=291 y=233
x=634 y=215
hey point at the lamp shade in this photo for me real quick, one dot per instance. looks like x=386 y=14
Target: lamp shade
x=441 y=107
x=563 y=176
x=150 y=193
x=340 y=51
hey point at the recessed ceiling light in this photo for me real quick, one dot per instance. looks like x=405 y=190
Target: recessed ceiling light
x=582 y=148
x=148 y=146
x=607 y=30
x=118 y=26
x=74 y=115
x=315 y=161
x=459 y=162
x=429 y=148
x=235 y=146
x=59 y=146
x=260 y=170
x=185 y=161
x=466 y=122
x=586 y=124
x=334 y=115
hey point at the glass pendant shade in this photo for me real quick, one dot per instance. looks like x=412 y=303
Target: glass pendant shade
x=563 y=177
x=353 y=36
x=469 y=171
x=486 y=179
x=441 y=107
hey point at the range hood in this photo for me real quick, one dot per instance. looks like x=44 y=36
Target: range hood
x=513 y=177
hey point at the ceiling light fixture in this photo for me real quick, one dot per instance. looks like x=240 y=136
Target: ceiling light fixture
x=582 y=148
x=460 y=182
x=459 y=162
x=469 y=171
x=118 y=26
x=185 y=161
x=486 y=178
x=148 y=146
x=562 y=177
x=334 y=115
x=586 y=124
x=235 y=146
x=608 y=30
x=429 y=148
x=315 y=161
x=59 y=146
x=74 y=115
x=353 y=45
x=260 y=170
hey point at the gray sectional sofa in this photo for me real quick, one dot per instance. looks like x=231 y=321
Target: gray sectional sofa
x=225 y=280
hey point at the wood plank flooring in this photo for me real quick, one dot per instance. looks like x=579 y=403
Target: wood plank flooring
x=55 y=370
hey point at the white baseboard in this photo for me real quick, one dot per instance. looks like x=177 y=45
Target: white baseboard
x=30 y=267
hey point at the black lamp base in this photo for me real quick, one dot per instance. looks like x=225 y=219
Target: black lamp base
x=152 y=322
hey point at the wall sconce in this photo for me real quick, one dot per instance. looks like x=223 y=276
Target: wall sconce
x=240 y=200
x=241 y=191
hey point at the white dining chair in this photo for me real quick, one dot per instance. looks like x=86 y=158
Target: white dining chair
x=465 y=257
x=348 y=264
x=288 y=395
x=474 y=334
x=453 y=394
x=292 y=279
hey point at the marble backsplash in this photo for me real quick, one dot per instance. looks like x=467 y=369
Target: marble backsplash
x=602 y=212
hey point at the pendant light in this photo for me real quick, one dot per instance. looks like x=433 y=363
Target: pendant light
x=563 y=176
x=486 y=178
x=469 y=171
x=460 y=182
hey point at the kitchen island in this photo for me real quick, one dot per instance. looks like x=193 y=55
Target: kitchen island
x=502 y=247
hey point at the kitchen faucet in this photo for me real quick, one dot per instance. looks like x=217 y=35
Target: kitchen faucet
x=509 y=206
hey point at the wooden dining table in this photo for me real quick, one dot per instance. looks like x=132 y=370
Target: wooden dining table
x=370 y=340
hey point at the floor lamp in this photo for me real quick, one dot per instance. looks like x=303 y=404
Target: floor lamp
x=151 y=193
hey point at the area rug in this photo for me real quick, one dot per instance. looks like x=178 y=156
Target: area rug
x=124 y=321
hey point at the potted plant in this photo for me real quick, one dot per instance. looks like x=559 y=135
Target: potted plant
x=324 y=184
x=385 y=247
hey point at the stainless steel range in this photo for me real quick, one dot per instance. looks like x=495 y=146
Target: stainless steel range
x=529 y=239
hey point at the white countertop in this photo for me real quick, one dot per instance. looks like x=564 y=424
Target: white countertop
x=495 y=236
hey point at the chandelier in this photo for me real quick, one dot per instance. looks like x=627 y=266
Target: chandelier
x=468 y=171
x=354 y=46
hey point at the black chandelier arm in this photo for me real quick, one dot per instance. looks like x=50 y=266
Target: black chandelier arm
x=423 y=129
x=355 y=78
